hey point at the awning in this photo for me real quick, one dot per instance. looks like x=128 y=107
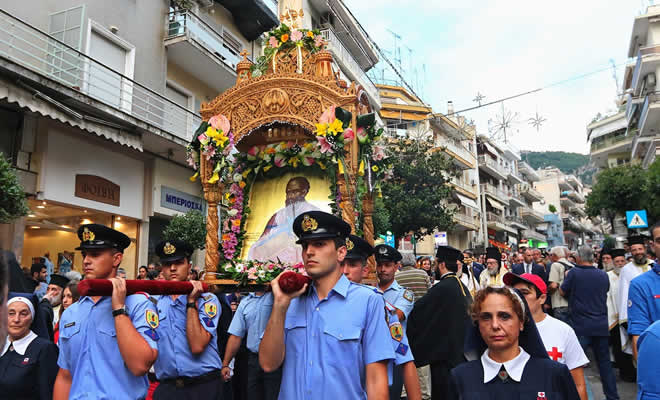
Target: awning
x=609 y=127
x=491 y=149
x=21 y=96
x=467 y=202
x=495 y=204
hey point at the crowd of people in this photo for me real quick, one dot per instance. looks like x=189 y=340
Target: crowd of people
x=460 y=325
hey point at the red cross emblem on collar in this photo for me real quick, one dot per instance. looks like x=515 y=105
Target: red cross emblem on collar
x=555 y=354
x=540 y=396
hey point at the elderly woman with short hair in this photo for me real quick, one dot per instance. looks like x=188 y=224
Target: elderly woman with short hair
x=28 y=363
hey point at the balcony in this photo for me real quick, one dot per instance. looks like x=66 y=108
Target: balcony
x=566 y=201
x=517 y=222
x=532 y=234
x=465 y=222
x=253 y=17
x=464 y=188
x=459 y=154
x=202 y=50
x=514 y=177
x=528 y=172
x=495 y=192
x=492 y=167
x=649 y=118
x=499 y=223
x=577 y=210
x=350 y=66
x=648 y=59
x=610 y=144
x=515 y=200
x=532 y=217
x=85 y=82
x=531 y=194
x=652 y=153
x=574 y=181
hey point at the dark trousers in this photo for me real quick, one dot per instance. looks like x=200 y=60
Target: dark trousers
x=623 y=361
x=211 y=390
x=262 y=385
x=600 y=347
x=440 y=380
x=239 y=381
x=397 y=382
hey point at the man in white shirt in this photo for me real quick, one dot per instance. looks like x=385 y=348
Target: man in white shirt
x=559 y=339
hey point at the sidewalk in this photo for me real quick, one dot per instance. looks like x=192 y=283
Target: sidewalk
x=627 y=390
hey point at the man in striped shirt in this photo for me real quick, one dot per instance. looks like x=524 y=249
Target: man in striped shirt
x=411 y=278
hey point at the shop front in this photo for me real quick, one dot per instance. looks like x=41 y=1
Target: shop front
x=82 y=180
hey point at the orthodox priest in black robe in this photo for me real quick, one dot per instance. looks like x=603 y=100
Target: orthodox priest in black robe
x=438 y=322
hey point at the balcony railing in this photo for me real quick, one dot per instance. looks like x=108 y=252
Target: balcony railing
x=465 y=186
x=467 y=220
x=608 y=142
x=186 y=23
x=495 y=191
x=530 y=191
x=492 y=217
x=644 y=51
x=456 y=148
x=344 y=56
x=530 y=213
x=39 y=52
x=487 y=161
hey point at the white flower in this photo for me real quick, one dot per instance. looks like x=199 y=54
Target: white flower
x=261 y=273
x=238 y=178
x=232 y=212
x=240 y=268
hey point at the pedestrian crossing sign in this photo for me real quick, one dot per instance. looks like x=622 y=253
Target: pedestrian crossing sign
x=637 y=219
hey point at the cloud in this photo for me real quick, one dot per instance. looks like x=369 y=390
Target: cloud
x=501 y=48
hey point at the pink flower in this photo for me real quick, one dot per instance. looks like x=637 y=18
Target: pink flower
x=318 y=40
x=220 y=122
x=254 y=150
x=348 y=135
x=328 y=116
x=379 y=153
x=325 y=145
x=203 y=138
x=362 y=135
x=252 y=276
x=252 y=270
x=279 y=161
x=209 y=152
x=308 y=161
x=296 y=35
x=273 y=42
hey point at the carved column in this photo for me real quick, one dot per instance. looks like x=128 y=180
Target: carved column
x=212 y=195
x=368 y=228
x=346 y=205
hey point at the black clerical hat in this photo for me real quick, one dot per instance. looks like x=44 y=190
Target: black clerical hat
x=59 y=280
x=448 y=254
x=637 y=239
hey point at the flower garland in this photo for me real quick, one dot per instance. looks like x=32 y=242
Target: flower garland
x=284 y=38
x=256 y=271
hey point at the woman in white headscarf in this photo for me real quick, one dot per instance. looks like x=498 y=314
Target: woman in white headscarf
x=28 y=363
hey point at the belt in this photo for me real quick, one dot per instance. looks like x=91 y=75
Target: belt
x=184 y=381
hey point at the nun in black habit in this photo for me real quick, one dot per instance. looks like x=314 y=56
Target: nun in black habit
x=514 y=363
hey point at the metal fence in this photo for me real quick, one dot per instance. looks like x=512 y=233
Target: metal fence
x=34 y=49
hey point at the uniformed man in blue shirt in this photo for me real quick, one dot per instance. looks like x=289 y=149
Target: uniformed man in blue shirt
x=188 y=365
x=107 y=344
x=644 y=296
x=332 y=339
x=356 y=268
x=250 y=322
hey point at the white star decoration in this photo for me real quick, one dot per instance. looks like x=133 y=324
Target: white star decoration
x=536 y=121
x=479 y=98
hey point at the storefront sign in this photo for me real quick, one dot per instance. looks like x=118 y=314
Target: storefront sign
x=95 y=188
x=180 y=201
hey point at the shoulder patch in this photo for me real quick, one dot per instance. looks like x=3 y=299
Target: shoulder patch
x=396 y=331
x=408 y=295
x=210 y=309
x=152 y=319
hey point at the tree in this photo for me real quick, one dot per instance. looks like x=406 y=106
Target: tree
x=191 y=228
x=652 y=192
x=417 y=193
x=552 y=208
x=618 y=189
x=12 y=196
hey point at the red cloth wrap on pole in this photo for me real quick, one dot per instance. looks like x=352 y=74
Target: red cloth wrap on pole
x=103 y=287
x=291 y=282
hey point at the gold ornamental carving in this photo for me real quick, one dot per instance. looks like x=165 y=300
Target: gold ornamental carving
x=275 y=101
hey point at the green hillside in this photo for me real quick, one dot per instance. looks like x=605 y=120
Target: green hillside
x=568 y=163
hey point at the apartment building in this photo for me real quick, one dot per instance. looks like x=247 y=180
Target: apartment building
x=100 y=100
x=610 y=143
x=642 y=100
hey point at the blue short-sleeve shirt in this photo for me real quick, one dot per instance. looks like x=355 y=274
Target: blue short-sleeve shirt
x=586 y=289
x=251 y=318
x=401 y=298
x=175 y=358
x=329 y=342
x=89 y=349
x=643 y=302
x=648 y=367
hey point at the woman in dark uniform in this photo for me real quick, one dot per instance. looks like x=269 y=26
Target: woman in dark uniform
x=515 y=364
x=28 y=363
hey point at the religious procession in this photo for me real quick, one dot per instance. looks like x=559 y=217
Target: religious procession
x=255 y=200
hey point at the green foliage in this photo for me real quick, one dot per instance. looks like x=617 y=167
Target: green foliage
x=12 y=196
x=190 y=228
x=416 y=195
x=381 y=218
x=650 y=201
x=568 y=163
x=552 y=208
x=617 y=190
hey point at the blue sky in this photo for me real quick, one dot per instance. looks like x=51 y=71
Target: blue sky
x=501 y=48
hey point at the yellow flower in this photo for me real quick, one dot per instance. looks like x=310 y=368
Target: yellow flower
x=220 y=140
x=321 y=165
x=267 y=167
x=374 y=168
x=361 y=168
x=310 y=34
x=294 y=161
x=214 y=178
x=340 y=166
x=336 y=127
x=321 y=129
x=246 y=172
x=194 y=177
x=241 y=184
x=227 y=195
x=284 y=37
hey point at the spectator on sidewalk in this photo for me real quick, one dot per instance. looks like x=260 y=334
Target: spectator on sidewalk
x=556 y=277
x=411 y=278
x=586 y=288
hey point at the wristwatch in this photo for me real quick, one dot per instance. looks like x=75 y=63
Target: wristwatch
x=120 y=311
x=191 y=305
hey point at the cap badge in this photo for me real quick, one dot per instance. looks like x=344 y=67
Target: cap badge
x=87 y=235
x=309 y=224
x=169 y=248
x=382 y=250
x=349 y=244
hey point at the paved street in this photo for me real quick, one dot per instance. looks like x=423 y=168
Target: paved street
x=627 y=390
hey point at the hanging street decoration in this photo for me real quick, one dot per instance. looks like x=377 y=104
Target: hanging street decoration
x=502 y=123
x=479 y=98
x=537 y=121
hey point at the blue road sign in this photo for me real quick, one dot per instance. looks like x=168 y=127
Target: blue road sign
x=637 y=219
